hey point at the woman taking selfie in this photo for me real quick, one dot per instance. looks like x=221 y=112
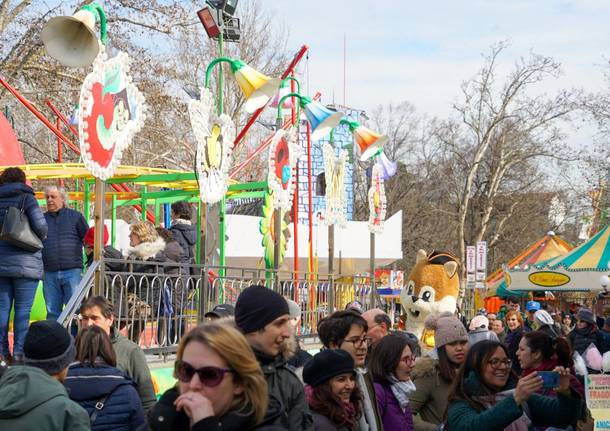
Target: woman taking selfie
x=433 y=377
x=390 y=365
x=220 y=384
x=487 y=395
x=332 y=394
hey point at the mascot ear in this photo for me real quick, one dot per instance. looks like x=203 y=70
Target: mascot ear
x=450 y=268
x=421 y=257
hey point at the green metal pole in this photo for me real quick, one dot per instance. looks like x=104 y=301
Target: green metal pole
x=198 y=247
x=157 y=212
x=143 y=202
x=220 y=78
x=86 y=199
x=113 y=222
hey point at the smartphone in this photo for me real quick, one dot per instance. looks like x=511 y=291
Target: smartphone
x=550 y=379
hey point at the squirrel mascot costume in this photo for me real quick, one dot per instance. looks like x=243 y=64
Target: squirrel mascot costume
x=432 y=288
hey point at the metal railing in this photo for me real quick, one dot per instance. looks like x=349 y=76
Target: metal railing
x=156 y=303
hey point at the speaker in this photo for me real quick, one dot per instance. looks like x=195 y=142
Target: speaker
x=72 y=39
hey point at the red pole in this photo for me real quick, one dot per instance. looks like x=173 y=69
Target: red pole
x=58 y=125
x=310 y=198
x=39 y=115
x=295 y=200
x=258 y=112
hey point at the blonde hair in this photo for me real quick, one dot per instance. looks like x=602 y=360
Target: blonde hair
x=233 y=348
x=145 y=231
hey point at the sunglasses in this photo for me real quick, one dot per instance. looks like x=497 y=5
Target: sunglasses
x=208 y=376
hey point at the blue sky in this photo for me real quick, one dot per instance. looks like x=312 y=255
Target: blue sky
x=422 y=51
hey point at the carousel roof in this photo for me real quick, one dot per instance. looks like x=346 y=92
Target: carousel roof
x=592 y=255
x=546 y=248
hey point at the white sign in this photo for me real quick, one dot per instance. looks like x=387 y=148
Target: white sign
x=481 y=258
x=480 y=285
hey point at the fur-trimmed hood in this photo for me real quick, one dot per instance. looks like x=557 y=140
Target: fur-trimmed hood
x=425 y=366
x=146 y=250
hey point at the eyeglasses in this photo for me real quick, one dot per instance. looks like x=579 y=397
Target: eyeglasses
x=408 y=359
x=496 y=363
x=359 y=342
x=209 y=376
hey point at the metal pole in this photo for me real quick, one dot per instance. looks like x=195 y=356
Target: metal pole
x=310 y=199
x=277 y=228
x=295 y=198
x=372 y=269
x=98 y=245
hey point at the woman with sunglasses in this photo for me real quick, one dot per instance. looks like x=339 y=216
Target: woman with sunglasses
x=220 y=384
x=390 y=365
x=487 y=395
x=332 y=392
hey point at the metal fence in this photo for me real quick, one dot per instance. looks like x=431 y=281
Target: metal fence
x=156 y=303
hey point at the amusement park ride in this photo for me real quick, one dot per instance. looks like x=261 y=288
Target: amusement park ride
x=112 y=110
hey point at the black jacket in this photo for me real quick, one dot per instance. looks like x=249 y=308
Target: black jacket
x=110 y=253
x=580 y=339
x=284 y=385
x=186 y=236
x=122 y=410
x=14 y=261
x=163 y=416
x=63 y=248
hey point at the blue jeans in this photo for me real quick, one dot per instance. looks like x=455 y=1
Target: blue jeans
x=58 y=288
x=22 y=292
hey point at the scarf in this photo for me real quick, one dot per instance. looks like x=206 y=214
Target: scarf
x=523 y=423
x=401 y=390
x=180 y=221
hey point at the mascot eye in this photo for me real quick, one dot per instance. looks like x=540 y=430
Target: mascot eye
x=410 y=288
x=426 y=296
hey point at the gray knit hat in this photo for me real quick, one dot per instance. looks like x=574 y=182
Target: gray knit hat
x=586 y=315
x=48 y=346
x=447 y=329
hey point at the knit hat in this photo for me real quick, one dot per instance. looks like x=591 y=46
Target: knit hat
x=258 y=306
x=326 y=365
x=447 y=329
x=221 y=310
x=586 y=315
x=89 y=238
x=48 y=346
x=478 y=322
x=294 y=309
x=542 y=317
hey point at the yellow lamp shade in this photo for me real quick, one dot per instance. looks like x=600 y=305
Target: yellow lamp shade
x=257 y=87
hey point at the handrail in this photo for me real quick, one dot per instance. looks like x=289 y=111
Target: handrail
x=77 y=298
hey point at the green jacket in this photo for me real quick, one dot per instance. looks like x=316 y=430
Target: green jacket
x=429 y=400
x=560 y=411
x=131 y=360
x=30 y=399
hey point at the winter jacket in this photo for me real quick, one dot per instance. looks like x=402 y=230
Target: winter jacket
x=30 y=399
x=63 y=248
x=429 y=401
x=110 y=253
x=542 y=411
x=606 y=338
x=122 y=408
x=164 y=417
x=150 y=252
x=580 y=339
x=284 y=385
x=14 y=261
x=481 y=334
x=186 y=235
x=371 y=418
x=502 y=337
x=392 y=415
x=322 y=423
x=513 y=338
x=131 y=360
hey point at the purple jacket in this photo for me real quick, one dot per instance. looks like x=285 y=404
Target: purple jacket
x=391 y=414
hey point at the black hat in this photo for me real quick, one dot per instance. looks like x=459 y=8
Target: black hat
x=586 y=315
x=326 y=365
x=258 y=306
x=221 y=310
x=48 y=346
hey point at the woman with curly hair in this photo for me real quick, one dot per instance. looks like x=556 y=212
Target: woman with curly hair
x=332 y=393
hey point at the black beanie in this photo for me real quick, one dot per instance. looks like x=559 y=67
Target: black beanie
x=326 y=365
x=258 y=306
x=48 y=346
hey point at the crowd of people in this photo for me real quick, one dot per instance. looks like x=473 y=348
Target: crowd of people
x=239 y=371
x=244 y=369
x=65 y=234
